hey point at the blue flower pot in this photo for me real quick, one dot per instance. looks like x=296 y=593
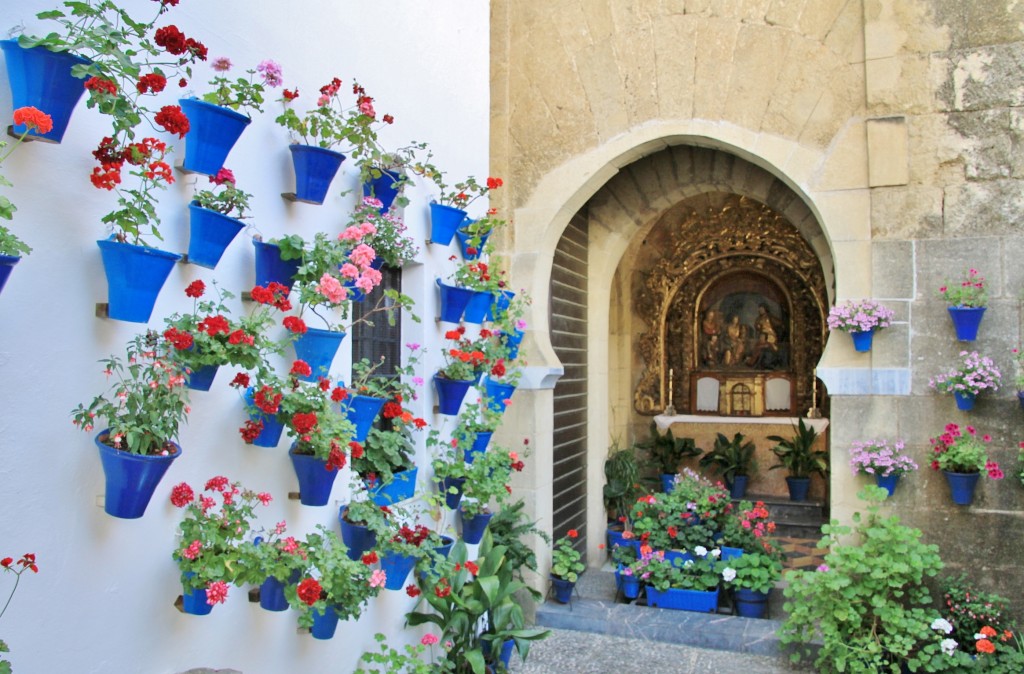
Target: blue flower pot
x=135 y=276
x=479 y=307
x=964 y=401
x=213 y=131
x=193 y=601
x=7 y=263
x=454 y=301
x=384 y=189
x=504 y=655
x=210 y=233
x=888 y=482
x=798 y=488
x=630 y=586
x=443 y=550
x=270 y=436
x=962 y=486
x=42 y=79
x=512 y=341
x=444 y=220
x=738 y=488
x=362 y=411
x=563 y=589
x=731 y=553
x=325 y=623
x=272 y=592
x=397 y=568
x=201 y=378
x=270 y=266
x=450 y=394
x=498 y=394
x=451 y=499
x=668 y=482
x=470 y=251
x=357 y=538
x=473 y=527
x=683 y=600
x=315 y=168
x=317 y=348
x=502 y=302
x=678 y=557
x=966 y=321
x=130 y=479
x=750 y=603
x=315 y=481
x=862 y=340
x=478 y=447
x=401 y=487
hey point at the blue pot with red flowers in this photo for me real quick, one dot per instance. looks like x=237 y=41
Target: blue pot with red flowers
x=42 y=79
x=212 y=131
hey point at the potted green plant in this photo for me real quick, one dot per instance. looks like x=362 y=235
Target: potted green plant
x=212 y=534
x=974 y=374
x=566 y=566
x=688 y=585
x=465 y=592
x=485 y=489
x=885 y=461
x=144 y=409
x=389 y=239
x=11 y=247
x=333 y=587
x=734 y=460
x=797 y=455
x=860 y=319
x=868 y=608
x=621 y=489
x=667 y=452
x=961 y=456
x=754 y=575
x=411 y=660
x=510 y=527
x=215 y=218
x=966 y=300
x=272 y=561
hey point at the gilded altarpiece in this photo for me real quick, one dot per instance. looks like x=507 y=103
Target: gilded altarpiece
x=736 y=300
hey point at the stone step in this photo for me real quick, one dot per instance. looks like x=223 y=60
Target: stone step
x=594 y=609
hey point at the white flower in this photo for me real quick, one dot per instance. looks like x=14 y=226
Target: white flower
x=942 y=625
x=700 y=551
x=948 y=646
x=688 y=563
x=716 y=553
x=729 y=574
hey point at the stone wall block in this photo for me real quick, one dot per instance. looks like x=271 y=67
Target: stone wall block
x=985 y=142
x=984 y=77
x=993 y=21
x=891 y=346
x=989 y=208
x=837 y=103
x=714 y=67
x=675 y=43
x=818 y=17
x=939 y=261
x=759 y=50
x=901 y=213
x=896 y=84
x=846 y=164
x=887 y=151
x=639 y=73
x=1013 y=269
x=892 y=271
x=846 y=36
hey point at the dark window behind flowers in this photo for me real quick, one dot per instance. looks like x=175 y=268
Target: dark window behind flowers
x=380 y=339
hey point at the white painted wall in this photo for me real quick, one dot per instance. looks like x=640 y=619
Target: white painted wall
x=102 y=601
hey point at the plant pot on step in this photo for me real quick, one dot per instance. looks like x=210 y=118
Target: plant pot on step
x=130 y=479
x=315 y=168
x=135 y=276
x=738 y=486
x=315 y=481
x=210 y=234
x=964 y=401
x=213 y=131
x=750 y=603
x=685 y=600
x=562 y=589
x=798 y=488
x=42 y=79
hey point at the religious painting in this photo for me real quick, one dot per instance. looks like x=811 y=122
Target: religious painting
x=743 y=325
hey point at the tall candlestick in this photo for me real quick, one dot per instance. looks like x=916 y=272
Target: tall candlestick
x=670 y=371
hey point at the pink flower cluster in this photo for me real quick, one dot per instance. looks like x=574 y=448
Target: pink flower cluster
x=859 y=316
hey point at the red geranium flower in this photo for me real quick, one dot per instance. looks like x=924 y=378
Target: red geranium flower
x=309 y=591
x=153 y=82
x=195 y=289
x=301 y=368
x=295 y=324
x=33 y=118
x=173 y=120
x=182 y=495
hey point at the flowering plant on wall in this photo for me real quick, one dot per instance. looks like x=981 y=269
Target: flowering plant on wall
x=34 y=120
x=333 y=270
x=969 y=292
x=565 y=559
x=963 y=451
x=137 y=211
x=385 y=233
x=879 y=457
x=147 y=403
x=212 y=533
x=242 y=93
x=859 y=316
x=333 y=122
x=464 y=360
x=225 y=197
x=9 y=565
x=974 y=374
x=128 y=59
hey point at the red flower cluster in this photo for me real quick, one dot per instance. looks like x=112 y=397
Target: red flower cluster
x=370 y=558
x=101 y=86
x=251 y=430
x=290 y=95
x=112 y=158
x=267 y=400
x=27 y=561
x=331 y=88
x=175 y=42
x=309 y=591
x=336 y=459
x=356 y=449
x=153 y=82
x=182 y=341
x=182 y=495
x=494 y=183
x=33 y=118
x=338 y=394
x=195 y=289
x=301 y=368
x=412 y=590
x=442 y=589
x=295 y=324
x=241 y=380
x=274 y=294
x=412 y=535
x=214 y=325
x=304 y=422
x=172 y=120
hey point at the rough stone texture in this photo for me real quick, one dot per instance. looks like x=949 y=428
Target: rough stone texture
x=892 y=269
x=887 y=151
